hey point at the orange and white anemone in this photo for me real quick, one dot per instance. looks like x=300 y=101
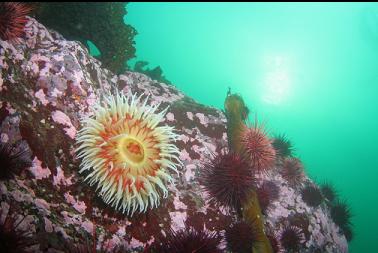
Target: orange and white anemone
x=127 y=153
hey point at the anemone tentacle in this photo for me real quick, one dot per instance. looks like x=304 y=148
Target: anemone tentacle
x=127 y=153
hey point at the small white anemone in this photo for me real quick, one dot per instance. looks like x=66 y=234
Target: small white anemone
x=127 y=153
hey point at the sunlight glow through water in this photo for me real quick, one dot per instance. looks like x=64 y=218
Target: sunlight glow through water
x=277 y=81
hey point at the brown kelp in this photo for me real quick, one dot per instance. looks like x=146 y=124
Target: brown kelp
x=236 y=113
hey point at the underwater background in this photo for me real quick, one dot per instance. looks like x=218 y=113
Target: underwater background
x=308 y=70
x=124 y=127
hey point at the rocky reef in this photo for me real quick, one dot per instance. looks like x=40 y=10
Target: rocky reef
x=47 y=85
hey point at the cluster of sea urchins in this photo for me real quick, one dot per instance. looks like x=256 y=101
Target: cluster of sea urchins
x=13 y=19
x=228 y=179
x=127 y=153
x=258 y=148
x=187 y=240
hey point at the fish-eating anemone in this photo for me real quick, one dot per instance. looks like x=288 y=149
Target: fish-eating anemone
x=127 y=153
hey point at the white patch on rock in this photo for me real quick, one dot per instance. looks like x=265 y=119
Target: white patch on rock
x=61 y=118
x=37 y=170
x=41 y=96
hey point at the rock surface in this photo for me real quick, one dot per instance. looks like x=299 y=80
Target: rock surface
x=47 y=84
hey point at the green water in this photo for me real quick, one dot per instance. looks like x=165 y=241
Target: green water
x=308 y=70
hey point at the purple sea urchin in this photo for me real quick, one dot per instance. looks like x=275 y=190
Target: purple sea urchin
x=13 y=19
x=275 y=243
x=341 y=214
x=258 y=148
x=292 y=171
x=267 y=193
x=12 y=239
x=311 y=195
x=282 y=145
x=291 y=238
x=12 y=160
x=329 y=192
x=186 y=241
x=127 y=154
x=240 y=237
x=228 y=180
x=348 y=232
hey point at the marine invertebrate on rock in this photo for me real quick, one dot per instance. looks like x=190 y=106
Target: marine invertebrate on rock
x=13 y=19
x=274 y=242
x=188 y=240
x=127 y=153
x=12 y=161
x=341 y=214
x=291 y=238
x=13 y=239
x=348 y=232
x=89 y=248
x=267 y=193
x=258 y=148
x=236 y=113
x=282 y=145
x=228 y=180
x=292 y=171
x=328 y=191
x=241 y=237
x=311 y=195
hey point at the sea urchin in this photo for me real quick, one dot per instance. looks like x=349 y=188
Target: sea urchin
x=282 y=145
x=188 y=240
x=12 y=238
x=13 y=19
x=126 y=153
x=291 y=238
x=292 y=171
x=241 y=237
x=311 y=195
x=267 y=193
x=12 y=160
x=329 y=192
x=258 y=148
x=228 y=180
x=341 y=214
